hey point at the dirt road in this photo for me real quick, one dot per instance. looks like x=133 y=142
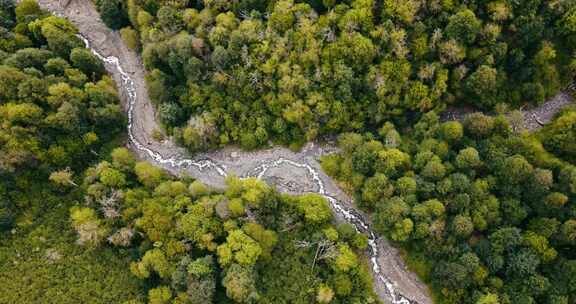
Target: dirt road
x=533 y=118
x=293 y=172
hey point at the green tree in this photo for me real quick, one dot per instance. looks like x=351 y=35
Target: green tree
x=239 y=248
x=10 y=78
x=325 y=294
x=59 y=33
x=346 y=259
x=131 y=38
x=462 y=226
x=376 y=189
x=88 y=63
x=153 y=260
x=63 y=178
x=434 y=170
x=7 y=214
x=517 y=169
x=452 y=52
x=559 y=137
x=522 y=264
x=112 y=178
x=240 y=284
x=479 y=125
x=468 y=158
x=112 y=13
x=403 y=10
x=505 y=239
x=489 y=298
x=170 y=114
x=392 y=161
x=463 y=26
x=91 y=231
x=28 y=10
x=556 y=200
x=483 y=85
x=402 y=230
x=314 y=208
x=160 y=295
x=123 y=159
x=148 y=175
x=452 y=131
x=169 y=19
x=568 y=231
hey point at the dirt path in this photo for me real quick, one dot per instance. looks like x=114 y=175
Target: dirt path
x=290 y=171
x=533 y=118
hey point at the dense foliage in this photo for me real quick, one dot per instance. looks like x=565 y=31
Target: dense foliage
x=484 y=212
x=486 y=215
x=248 y=244
x=57 y=108
x=112 y=13
x=249 y=71
x=40 y=261
x=560 y=136
x=57 y=112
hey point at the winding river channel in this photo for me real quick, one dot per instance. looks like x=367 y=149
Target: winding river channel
x=348 y=214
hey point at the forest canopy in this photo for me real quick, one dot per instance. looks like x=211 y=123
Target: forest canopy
x=58 y=113
x=57 y=106
x=248 y=244
x=483 y=211
x=485 y=214
x=250 y=72
x=82 y=222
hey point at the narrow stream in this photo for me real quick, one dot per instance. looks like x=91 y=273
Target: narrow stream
x=349 y=215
